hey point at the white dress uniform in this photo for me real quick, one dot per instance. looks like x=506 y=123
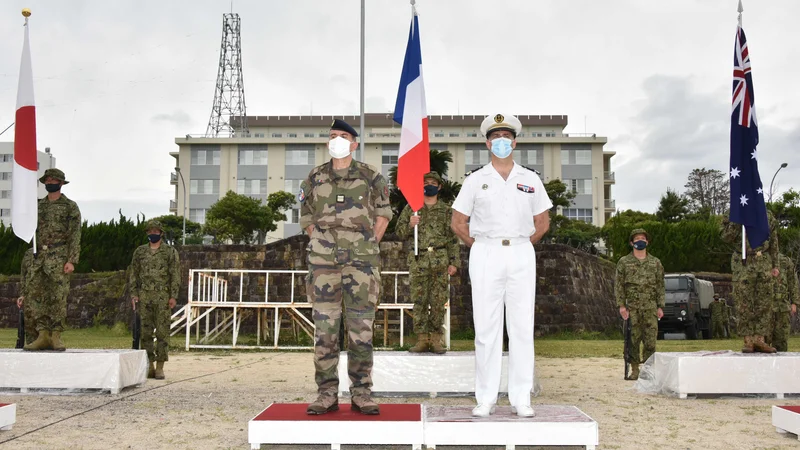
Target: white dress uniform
x=502 y=269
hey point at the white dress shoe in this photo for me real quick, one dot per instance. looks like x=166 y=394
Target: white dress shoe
x=522 y=411
x=483 y=410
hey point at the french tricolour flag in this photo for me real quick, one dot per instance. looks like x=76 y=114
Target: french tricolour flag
x=410 y=112
x=24 y=206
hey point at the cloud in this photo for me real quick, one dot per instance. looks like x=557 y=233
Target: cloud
x=180 y=118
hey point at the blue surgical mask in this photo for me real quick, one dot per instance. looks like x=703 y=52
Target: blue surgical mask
x=431 y=190
x=640 y=245
x=501 y=147
x=154 y=237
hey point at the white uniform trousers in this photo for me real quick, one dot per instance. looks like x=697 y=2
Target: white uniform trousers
x=503 y=274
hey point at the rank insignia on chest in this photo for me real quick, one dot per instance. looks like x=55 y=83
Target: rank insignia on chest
x=340 y=198
x=301 y=196
x=523 y=188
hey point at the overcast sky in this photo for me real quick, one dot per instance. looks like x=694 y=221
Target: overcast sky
x=116 y=82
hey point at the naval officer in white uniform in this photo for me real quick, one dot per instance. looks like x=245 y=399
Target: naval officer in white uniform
x=501 y=211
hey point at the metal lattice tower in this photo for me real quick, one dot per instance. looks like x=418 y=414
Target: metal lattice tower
x=228 y=117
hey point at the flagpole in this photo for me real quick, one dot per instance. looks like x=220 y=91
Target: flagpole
x=744 y=232
x=361 y=131
x=416 y=227
x=27 y=13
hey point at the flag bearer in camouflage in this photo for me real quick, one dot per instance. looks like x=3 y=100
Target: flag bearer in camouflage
x=640 y=292
x=439 y=256
x=717 y=318
x=155 y=278
x=754 y=283
x=785 y=302
x=345 y=211
x=58 y=240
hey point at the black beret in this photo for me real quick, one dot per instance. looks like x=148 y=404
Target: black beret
x=341 y=125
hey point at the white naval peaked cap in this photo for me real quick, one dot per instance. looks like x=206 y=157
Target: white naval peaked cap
x=500 y=122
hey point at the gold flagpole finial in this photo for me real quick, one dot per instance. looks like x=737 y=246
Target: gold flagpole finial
x=26 y=12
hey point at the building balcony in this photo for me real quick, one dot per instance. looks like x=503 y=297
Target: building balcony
x=173 y=206
x=609 y=177
x=173 y=178
x=611 y=204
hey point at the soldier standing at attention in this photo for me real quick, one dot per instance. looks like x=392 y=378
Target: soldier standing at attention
x=155 y=278
x=439 y=256
x=754 y=281
x=508 y=212
x=717 y=318
x=785 y=303
x=58 y=237
x=640 y=292
x=345 y=211
x=24 y=280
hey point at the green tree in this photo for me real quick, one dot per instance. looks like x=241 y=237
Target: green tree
x=672 y=207
x=559 y=194
x=278 y=203
x=173 y=228
x=786 y=209
x=245 y=220
x=708 y=191
x=575 y=233
x=632 y=217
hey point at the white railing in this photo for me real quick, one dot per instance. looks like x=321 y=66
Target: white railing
x=208 y=294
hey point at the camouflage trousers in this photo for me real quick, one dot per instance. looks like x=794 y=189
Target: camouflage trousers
x=356 y=289
x=717 y=329
x=46 y=301
x=429 y=289
x=155 y=315
x=780 y=325
x=30 y=326
x=644 y=332
x=753 y=289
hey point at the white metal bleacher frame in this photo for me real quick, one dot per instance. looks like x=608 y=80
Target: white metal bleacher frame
x=208 y=293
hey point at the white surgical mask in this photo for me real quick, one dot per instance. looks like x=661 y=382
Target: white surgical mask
x=339 y=147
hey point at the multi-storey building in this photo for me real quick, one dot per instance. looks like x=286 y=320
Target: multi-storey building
x=280 y=151
x=46 y=161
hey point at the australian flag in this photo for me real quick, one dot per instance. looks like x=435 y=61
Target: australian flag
x=747 y=193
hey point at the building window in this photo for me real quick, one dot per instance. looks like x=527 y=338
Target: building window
x=261 y=135
x=580 y=187
x=389 y=157
x=197 y=215
x=8 y=158
x=576 y=157
x=472 y=134
x=454 y=135
x=277 y=135
x=5 y=175
x=5 y=194
x=300 y=155
x=308 y=135
x=205 y=157
x=251 y=187
x=293 y=216
x=292 y=135
x=438 y=134
x=292 y=186
x=528 y=157
x=5 y=212
x=324 y=135
x=584 y=214
x=476 y=157
x=205 y=187
x=252 y=157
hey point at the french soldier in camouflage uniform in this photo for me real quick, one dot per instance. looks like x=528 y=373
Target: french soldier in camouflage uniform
x=640 y=292
x=345 y=210
x=718 y=309
x=754 y=281
x=155 y=278
x=58 y=240
x=439 y=256
x=785 y=302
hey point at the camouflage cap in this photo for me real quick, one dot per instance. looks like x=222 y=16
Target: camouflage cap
x=433 y=176
x=55 y=173
x=639 y=231
x=153 y=224
x=716 y=295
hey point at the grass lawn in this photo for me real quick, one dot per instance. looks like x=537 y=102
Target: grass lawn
x=548 y=347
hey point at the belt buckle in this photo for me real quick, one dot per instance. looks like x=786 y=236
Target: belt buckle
x=44 y=247
x=506 y=242
x=430 y=249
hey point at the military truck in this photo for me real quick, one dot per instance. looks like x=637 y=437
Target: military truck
x=687 y=310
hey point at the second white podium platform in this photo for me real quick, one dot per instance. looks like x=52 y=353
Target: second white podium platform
x=72 y=370
x=426 y=374
x=8 y=416
x=786 y=419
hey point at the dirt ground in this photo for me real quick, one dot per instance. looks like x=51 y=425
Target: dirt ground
x=208 y=399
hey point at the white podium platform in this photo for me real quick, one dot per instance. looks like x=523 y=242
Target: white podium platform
x=552 y=425
x=405 y=373
x=8 y=416
x=786 y=419
x=288 y=423
x=72 y=370
x=683 y=374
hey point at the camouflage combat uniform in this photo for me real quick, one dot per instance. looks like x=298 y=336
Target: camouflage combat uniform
x=726 y=317
x=58 y=238
x=26 y=274
x=343 y=266
x=786 y=294
x=753 y=285
x=639 y=286
x=155 y=277
x=718 y=319
x=438 y=248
